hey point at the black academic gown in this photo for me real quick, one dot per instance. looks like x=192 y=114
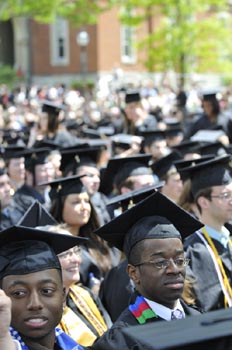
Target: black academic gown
x=224 y=121
x=90 y=267
x=116 y=290
x=207 y=289
x=12 y=214
x=114 y=339
x=31 y=192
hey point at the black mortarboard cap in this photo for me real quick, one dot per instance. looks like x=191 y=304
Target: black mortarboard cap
x=208 y=95
x=52 y=108
x=99 y=133
x=182 y=166
x=74 y=158
x=145 y=220
x=208 y=135
x=102 y=143
x=37 y=215
x=119 y=168
x=129 y=199
x=151 y=136
x=15 y=137
x=122 y=141
x=90 y=133
x=79 y=145
x=107 y=130
x=213 y=148
x=187 y=146
x=173 y=131
x=35 y=156
x=65 y=186
x=25 y=250
x=213 y=172
x=172 y=122
x=132 y=96
x=74 y=125
x=12 y=151
x=45 y=143
x=161 y=166
x=209 y=331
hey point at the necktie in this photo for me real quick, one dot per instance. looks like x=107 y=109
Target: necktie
x=177 y=314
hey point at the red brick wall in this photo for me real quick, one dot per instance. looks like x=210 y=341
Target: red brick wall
x=103 y=50
x=109 y=49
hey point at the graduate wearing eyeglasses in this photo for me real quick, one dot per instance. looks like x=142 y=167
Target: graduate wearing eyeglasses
x=210 y=249
x=84 y=317
x=150 y=234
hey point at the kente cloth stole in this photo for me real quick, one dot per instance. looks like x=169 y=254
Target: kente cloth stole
x=62 y=339
x=88 y=308
x=141 y=310
x=72 y=324
x=223 y=279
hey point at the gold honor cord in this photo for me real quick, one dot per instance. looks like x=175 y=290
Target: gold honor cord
x=225 y=280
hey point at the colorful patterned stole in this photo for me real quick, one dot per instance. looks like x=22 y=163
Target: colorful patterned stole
x=141 y=310
x=62 y=339
x=73 y=325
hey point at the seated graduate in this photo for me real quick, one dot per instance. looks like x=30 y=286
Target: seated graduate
x=83 y=160
x=150 y=234
x=117 y=284
x=14 y=206
x=51 y=126
x=30 y=275
x=84 y=317
x=166 y=171
x=71 y=204
x=122 y=175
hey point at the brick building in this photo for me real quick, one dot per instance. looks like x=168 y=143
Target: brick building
x=48 y=53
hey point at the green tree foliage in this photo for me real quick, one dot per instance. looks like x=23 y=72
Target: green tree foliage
x=79 y=12
x=186 y=35
x=8 y=76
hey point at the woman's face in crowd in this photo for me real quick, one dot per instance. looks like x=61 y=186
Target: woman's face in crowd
x=43 y=122
x=77 y=209
x=70 y=262
x=132 y=111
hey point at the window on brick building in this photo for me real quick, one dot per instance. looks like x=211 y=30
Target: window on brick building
x=60 y=42
x=128 y=52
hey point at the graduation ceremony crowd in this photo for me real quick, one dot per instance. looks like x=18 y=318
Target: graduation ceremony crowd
x=116 y=213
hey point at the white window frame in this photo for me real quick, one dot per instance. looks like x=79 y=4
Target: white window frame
x=128 y=44
x=59 y=30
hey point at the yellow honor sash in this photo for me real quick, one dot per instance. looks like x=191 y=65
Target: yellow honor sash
x=72 y=324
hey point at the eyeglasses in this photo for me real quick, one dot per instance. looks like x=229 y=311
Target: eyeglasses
x=163 y=264
x=225 y=196
x=68 y=254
